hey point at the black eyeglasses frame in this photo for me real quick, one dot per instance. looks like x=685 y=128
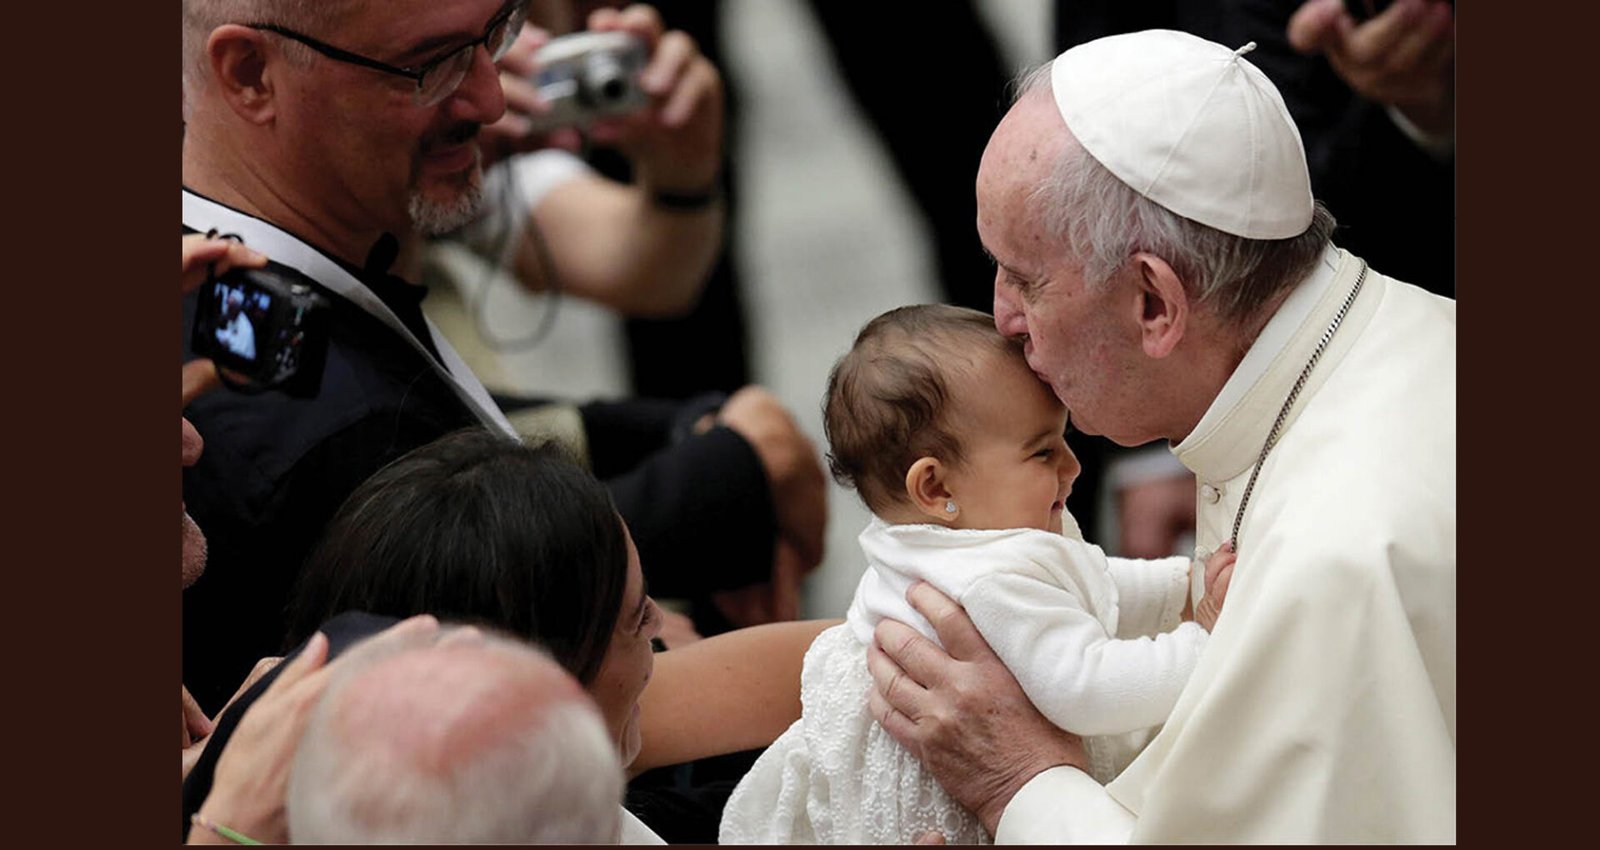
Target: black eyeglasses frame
x=415 y=73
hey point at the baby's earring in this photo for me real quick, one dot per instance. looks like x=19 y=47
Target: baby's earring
x=949 y=506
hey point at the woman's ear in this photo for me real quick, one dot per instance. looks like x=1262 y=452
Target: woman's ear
x=927 y=490
x=241 y=72
x=1163 y=305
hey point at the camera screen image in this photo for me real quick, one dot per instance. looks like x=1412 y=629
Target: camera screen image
x=267 y=329
x=240 y=310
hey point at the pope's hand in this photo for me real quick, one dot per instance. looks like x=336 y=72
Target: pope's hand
x=962 y=714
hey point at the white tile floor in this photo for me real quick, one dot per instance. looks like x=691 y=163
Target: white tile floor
x=827 y=239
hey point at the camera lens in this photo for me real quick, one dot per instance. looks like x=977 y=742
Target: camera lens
x=606 y=81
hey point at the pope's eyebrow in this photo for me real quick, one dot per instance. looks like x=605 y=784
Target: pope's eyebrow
x=1016 y=278
x=1022 y=282
x=996 y=260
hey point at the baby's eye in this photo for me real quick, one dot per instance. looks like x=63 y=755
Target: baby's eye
x=1044 y=452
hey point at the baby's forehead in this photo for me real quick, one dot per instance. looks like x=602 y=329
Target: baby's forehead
x=973 y=365
x=957 y=349
x=988 y=377
x=998 y=387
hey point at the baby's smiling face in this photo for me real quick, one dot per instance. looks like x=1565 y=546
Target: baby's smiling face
x=1017 y=469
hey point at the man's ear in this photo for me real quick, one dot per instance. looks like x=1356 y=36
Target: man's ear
x=925 y=487
x=242 y=72
x=1163 y=305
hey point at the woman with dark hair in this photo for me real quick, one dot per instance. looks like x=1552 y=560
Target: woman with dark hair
x=480 y=529
x=476 y=528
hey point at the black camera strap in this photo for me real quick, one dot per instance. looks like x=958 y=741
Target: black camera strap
x=203 y=214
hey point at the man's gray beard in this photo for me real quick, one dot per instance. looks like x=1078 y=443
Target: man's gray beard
x=434 y=218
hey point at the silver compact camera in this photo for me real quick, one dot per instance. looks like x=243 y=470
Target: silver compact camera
x=589 y=75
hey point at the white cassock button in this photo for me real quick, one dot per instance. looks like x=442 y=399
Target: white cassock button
x=1211 y=494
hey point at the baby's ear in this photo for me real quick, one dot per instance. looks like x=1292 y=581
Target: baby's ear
x=925 y=487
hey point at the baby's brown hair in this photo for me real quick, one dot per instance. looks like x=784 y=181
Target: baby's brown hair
x=889 y=396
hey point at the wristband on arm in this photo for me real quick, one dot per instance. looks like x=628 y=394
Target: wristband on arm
x=236 y=837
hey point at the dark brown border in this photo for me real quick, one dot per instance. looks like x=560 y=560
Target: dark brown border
x=93 y=163
x=90 y=297
x=1515 y=80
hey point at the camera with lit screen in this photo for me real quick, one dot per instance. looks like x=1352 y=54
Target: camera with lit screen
x=266 y=329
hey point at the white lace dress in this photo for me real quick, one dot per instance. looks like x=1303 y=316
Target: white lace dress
x=1049 y=605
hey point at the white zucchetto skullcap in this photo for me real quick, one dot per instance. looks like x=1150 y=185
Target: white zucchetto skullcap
x=1190 y=125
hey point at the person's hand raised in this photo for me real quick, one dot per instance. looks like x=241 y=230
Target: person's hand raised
x=676 y=141
x=513 y=133
x=1403 y=57
x=200 y=256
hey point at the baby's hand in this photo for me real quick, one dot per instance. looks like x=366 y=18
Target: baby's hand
x=1219 y=572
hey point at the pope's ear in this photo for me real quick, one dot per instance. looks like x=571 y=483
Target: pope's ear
x=925 y=488
x=243 y=67
x=1163 y=305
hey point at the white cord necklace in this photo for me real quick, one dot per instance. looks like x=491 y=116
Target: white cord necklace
x=1272 y=436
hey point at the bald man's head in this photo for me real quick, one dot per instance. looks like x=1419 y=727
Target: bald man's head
x=472 y=738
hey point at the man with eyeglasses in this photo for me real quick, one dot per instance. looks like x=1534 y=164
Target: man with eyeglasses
x=328 y=135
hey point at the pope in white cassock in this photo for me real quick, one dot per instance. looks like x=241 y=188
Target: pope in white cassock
x=1149 y=208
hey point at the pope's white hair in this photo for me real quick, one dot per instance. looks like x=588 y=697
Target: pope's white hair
x=549 y=776
x=1102 y=222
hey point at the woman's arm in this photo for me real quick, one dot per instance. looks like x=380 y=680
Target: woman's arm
x=736 y=691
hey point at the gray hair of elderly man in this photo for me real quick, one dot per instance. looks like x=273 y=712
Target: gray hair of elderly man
x=457 y=736
x=1103 y=222
x=200 y=17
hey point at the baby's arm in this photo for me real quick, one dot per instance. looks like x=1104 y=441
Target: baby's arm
x=1151 y=595
x=1077 y=675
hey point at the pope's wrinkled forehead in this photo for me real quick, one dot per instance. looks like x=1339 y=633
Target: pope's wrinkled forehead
x=1028 y=138
x=1028 y=143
